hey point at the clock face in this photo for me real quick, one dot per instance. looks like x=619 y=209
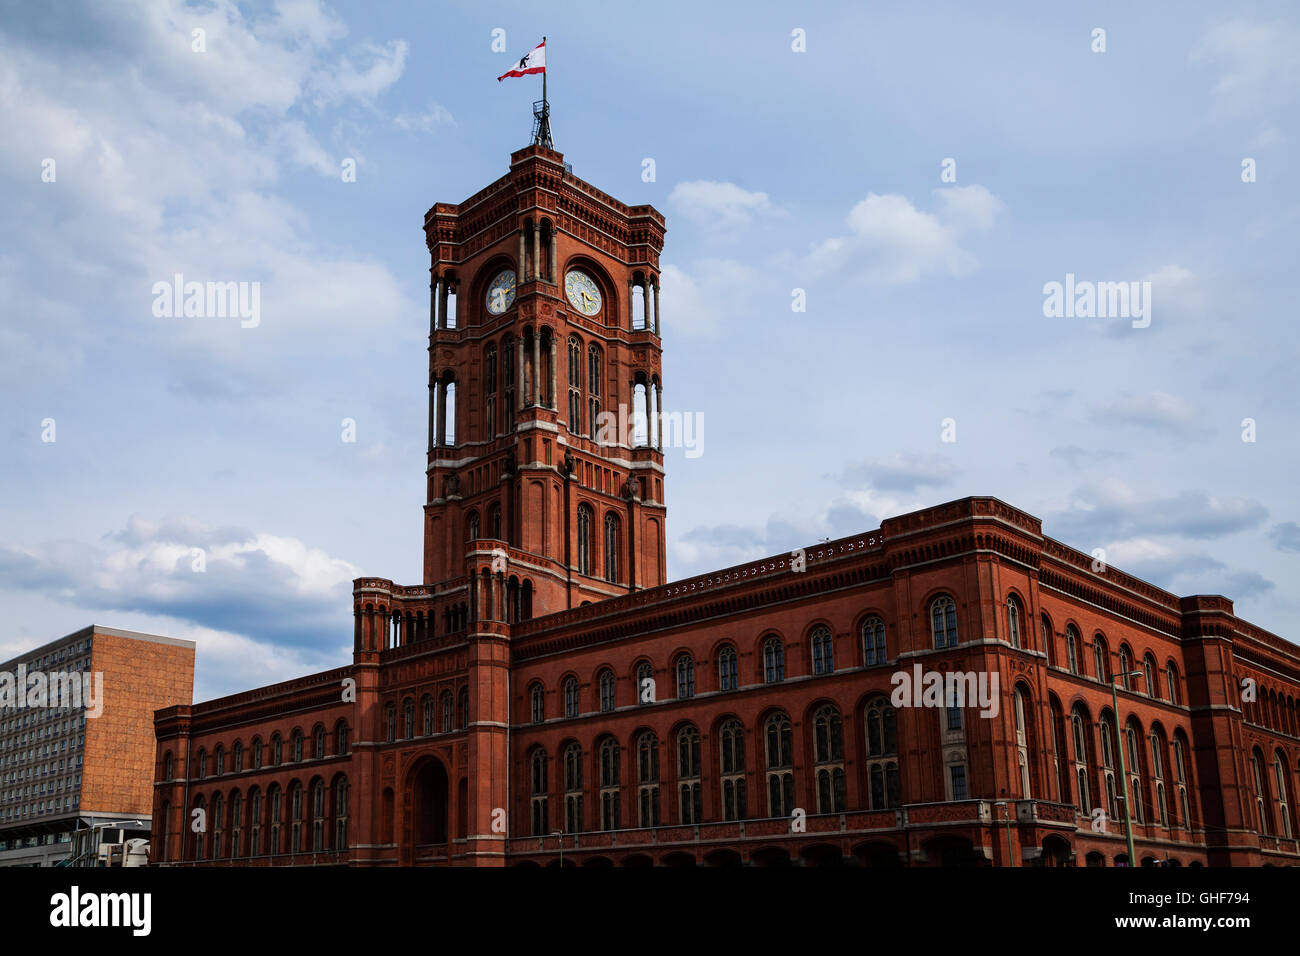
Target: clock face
x=582 y=292
x=501 y=293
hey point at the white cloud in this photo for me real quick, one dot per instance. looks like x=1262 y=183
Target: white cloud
x=704 y=300
x=891 y=241
x=1156 y=410
x=436 y=115
x=716 y=205
x=1256 y=62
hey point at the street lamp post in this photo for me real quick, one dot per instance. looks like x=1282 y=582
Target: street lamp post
x=1007 y=803
x=560 y=835
x=1123 y=771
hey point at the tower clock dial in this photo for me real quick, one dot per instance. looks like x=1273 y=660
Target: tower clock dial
x=501 y=292
x=582 y=291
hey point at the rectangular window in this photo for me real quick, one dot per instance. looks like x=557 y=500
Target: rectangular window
x=957 y=774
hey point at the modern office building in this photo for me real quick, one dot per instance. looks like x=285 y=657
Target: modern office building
x=76 y=736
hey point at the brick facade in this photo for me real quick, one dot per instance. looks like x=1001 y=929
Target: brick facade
x=543 y=677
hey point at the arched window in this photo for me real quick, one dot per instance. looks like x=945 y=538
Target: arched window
x=571 y=697
x=1280 y=791
x=1171 y=682
x=1158 y=777
x=1133 y=739
x=773 y=660
x=873 y=641
x=573 y=788
x=219 y=760
x=1082 y=755
x=575 y=385
x=584 y=539
x=647 y=779
x=685 y=668
x=943 y=621
x=408 y=718
x=882 y=753
x=203 y=763
x=277 y=750
x=1180 y=780
x=494 y=522
x=779 y=750
x=1108 y=742
x=610 y=815
x=689 y=804
x=732 y=740
x=471 y=527
x=446 y=706
x=318 y=816
x=539 y=793
x=341 y=814
x=1100 y=658
x=390 y=722
x=426 y=715
x=256 y=748
x=645 y=682
x=537 y=698
x=611 y=547
x=169 y=766
x=341 y=737
x=594 y=362
x=1022 y=745
x=1257 y=781
x=1125 y=667
x=606 y=683
x=276 y=798
x=236 y=825
x=199 y=834
x=297 y=746
x=237 y=755
x=823 y=651
x=255 y=822
x=828 y=752
x=1150 y=685
x=1072 y=649
x=296 y=817
x=218 y=825
x=1014 y=618
x=1045 y=631
x=728 y=674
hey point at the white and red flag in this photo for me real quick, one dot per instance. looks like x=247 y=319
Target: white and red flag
x=534 y=62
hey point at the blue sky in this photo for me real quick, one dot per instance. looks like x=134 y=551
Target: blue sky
x=777 y=170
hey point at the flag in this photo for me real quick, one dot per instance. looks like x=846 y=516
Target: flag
x=534 y=62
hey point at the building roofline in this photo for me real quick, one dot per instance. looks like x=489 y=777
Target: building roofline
x=92 y=630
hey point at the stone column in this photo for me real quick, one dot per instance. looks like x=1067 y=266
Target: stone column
x=659 y=409
x=537 y=249
x=442 y=414
x=537 y=365
x=630 y=293
x=552 y=371
x=656 y=306
x=433 y=411
x=649 y=422
x=646 y=308
x=555 y=267
x=433 y=301
x=523 y=254
x=442 y=303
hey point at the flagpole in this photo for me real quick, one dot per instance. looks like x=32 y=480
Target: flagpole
x=544 y=80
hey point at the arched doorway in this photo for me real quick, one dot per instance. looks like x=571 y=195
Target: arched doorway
x=429 y=806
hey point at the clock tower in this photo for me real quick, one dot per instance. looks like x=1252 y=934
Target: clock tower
x=545 y=478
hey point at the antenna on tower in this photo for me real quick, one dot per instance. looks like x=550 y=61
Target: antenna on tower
x=542 y=116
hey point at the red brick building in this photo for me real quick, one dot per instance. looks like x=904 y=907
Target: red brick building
x=545 y=692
